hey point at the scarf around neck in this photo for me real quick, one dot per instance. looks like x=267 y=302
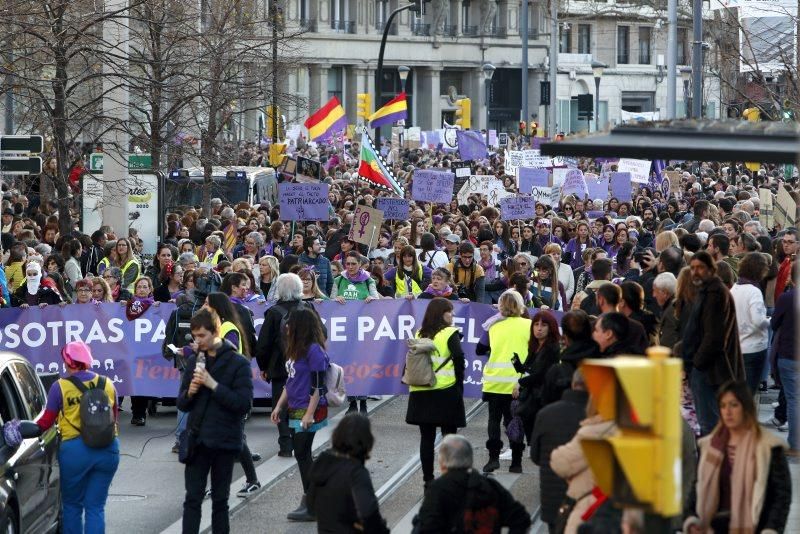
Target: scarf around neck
x=137 y=306
x=444 y=293
x=360 y=276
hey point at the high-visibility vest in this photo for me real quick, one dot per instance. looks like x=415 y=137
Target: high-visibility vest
x=505 y=338
x=227 y=327
x=69 y=418
x=400 y=283
x=102 y=265
x=131 y=262
x=446 y=376
x=216 y=257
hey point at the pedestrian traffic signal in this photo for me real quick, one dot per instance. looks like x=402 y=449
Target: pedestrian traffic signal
x=272 y=112
x=364 y=106
x=277 y=153
x=522 y=130
x=640 y=464
x=464 y=113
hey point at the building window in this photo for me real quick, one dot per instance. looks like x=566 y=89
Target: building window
x=645 y=44
x=565 y=39
x=381 y=12
x=683 y=37
x=623 y=44
x=465 y=13
x=584 y=39
x=335 y=76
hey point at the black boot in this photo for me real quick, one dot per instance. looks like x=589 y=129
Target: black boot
x=301 y=513
x=516 y=458
x=362 y=408
x=353 y=406
x=493 y=463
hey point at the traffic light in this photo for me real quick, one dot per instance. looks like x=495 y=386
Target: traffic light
x=270 y=122
x=534 y=128
x=638 y=465
x=464 y=113
x=364 y=106
x=752 y=114
x=277 y=153
x=522 y=130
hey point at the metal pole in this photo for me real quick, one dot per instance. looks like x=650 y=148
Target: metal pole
x=379 y=72
x=697 y=59
x=523 y=21
x=686 y=97
x=553 y=111
x=275 y=119
x=487 y=85
x=672 y=56
x=596 y=104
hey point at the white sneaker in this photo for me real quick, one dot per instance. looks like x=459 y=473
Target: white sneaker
x=776 y=404
x=783 y=427
x=505 y=455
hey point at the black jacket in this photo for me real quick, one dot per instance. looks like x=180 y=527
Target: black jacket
x=45 y=295
x=341 y=496
x=177 y=330
x=246 y=320
x=452 y=494
x=669 y=329
x=268 y=351
x=219 y=414
x=555 y=425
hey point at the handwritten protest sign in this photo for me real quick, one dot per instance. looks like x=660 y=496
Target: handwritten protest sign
x=432 y=186
x=396 y=209
x=496 y=196
x=519 y=207
x=638 y=168
x=514 y=159
x=621 y=186
x=765 y=208
x=559 y=175
x=366 y=227
x=785 y=209
x=528 y=178
x=674 y=178
x=598 y=187
x=575 y=184
x=303 y=202
x=555 y=195
x=481 y=185
x=534 y=159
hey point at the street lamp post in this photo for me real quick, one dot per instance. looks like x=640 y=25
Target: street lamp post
x=403 y=71
x=686 y=75
x=488 y=72
x=597 y=70
x=379 y=71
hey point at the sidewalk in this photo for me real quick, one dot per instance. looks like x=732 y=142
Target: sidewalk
x=765 y=413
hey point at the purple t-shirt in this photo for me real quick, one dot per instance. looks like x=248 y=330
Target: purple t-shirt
x=298 y=383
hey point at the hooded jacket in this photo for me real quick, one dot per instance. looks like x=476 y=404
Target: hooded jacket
x=341 y=496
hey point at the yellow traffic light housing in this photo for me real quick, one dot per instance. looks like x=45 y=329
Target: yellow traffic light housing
x=364 y=106
x=272 y=113
x=464 y=113
x=639 y=465
x=277 y=153
x=752 y=114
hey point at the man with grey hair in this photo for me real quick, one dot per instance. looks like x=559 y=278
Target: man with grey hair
x=463 y=500
x=664 y=288
x=270 y=348
x=754 y=228
x=227 y=214
x=706 y=225
x=216 y=205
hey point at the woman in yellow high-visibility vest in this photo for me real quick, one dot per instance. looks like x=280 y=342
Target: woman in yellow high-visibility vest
x=123 y=257
x=505 y=335
x=409 y=278
x=440 y=405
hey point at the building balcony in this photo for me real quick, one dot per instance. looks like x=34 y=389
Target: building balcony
x=343 y=26
x=470 y=31
x=308 y=25
x=500 y=32
x=450 y=30
x=420 y=29
x=380 y=26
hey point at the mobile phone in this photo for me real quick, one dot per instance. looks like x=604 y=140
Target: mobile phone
x=173 y=348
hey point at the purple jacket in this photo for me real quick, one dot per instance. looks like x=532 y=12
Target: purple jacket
x=576 y=250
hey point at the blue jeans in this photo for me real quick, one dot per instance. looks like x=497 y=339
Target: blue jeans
x=753 y=365
x=788 y=372
x=705 y=402
x=86 y=475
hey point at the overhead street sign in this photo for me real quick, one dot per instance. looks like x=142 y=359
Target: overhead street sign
x=20 y=165
x=136 y=162
x=33 y=144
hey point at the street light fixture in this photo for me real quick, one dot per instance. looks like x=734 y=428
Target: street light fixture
x=488 y=72
x=686 y=75
x=597 y=71
x=403 y=71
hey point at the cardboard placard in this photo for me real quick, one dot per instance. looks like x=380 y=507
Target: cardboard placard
x=765 y=208
x=366 y=227
x=639 y=169
x=432 y=186
x=396 y=209
x=517 y=207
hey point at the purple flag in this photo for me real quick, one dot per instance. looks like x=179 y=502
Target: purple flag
x=471 y=145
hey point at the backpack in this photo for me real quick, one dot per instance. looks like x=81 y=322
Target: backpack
x=589 y=303
x=334 y=383
x=97 y=416
x=419 y=370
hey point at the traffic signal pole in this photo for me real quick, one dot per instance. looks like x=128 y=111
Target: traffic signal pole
x=553 y=108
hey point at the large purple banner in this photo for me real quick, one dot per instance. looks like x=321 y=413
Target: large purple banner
x=367 y=340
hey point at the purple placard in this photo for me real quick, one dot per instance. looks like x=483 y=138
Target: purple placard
x=595 y=214
x=515 y=208
x=598 y=187
x=574 y=183
x=621 y=186
x=304 y=202
x=536 y=142
x=367 y=340
x=397 y=209
x=530 y=178
x=432 y=186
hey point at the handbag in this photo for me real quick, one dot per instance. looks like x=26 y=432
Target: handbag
x=564 y=511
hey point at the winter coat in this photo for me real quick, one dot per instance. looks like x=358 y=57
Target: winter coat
x=447 y=498
x=45 y=295
x=555 y=425
x=219 y=413
x=569 y=462
x=751 y=316
x=772 y=491
x=783 y=324
x=669 y=328
x=268 y=351
x=342 y=497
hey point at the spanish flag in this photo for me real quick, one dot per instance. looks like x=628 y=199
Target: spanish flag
x=330 y=118
x=394 y=110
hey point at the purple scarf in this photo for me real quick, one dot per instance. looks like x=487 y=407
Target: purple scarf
x=137 y=306
x=360 y=276
x=444 y=293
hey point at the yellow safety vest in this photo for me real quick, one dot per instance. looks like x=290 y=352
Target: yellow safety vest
x=505 y=338
x=446 y=376
x=131 y=262
x=102 y=265
x=216 y=257
x=227 y=327
x=69 y=418
x=400 y=284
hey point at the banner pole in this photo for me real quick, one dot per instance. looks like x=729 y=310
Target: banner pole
x=371 y=239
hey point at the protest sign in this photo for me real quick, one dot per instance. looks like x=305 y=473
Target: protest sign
x=432 y=186
x=639 y=169
x=559 y=175
x=765 y=208
x=479 y=184
x=518 y=207
x=575 y=184
x=513 y=160
x=396 y=209
x=462 y=170
x=366 y=227
x=598 y=187
x=528 y=178
x=307 y=171
x=555 y=195
x=303 y=202
x=534 y=159
x=674 y=178
x=128 y=353
x=471 y=145
x=621 y=186
x=413 y=137
x=502 y=139
x=785 y=209
x=493 y=138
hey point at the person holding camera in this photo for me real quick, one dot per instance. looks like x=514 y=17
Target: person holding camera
x=468 y=277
